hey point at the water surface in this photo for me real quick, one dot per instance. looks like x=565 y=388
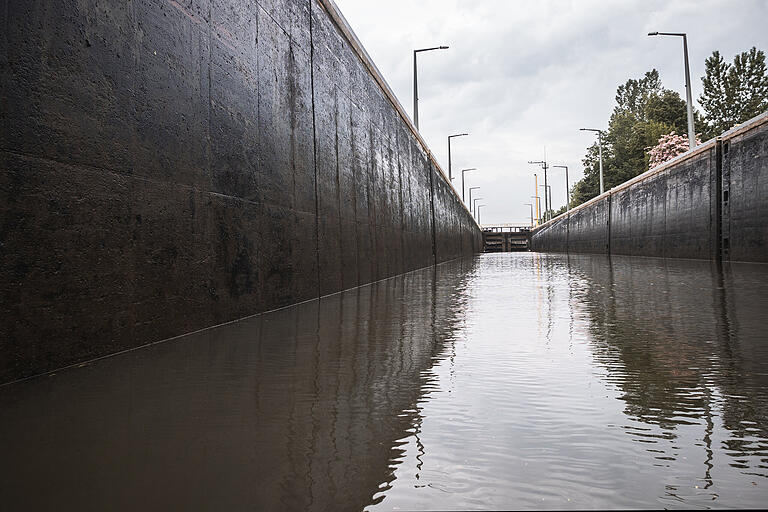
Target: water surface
x=514 y=380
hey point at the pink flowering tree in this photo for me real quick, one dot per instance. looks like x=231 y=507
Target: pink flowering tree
x=668 y=147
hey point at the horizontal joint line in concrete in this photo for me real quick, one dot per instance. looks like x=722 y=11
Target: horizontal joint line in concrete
x=164 y=340
x=147 y=179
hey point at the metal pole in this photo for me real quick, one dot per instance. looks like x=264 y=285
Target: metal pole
x=543 y=163
x=462 y=187
x=450 y=174
x=536 y=190
x=478 y=213
x=475 y=203
x=416 y=83
x=600 y=149
x=415 y=92
x=567 y=188
x=462 y=182
x=531 y=205
x=537 y=218
x=547 y=206
x=547 y=192
x=600 y=152
x=691 y=130
x=688 y=93
x=470 y=197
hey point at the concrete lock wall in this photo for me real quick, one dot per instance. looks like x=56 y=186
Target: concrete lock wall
x=170 y=165
x=709 y=203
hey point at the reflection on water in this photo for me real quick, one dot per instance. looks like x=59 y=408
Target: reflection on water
x=513 y=380
x=685 y=343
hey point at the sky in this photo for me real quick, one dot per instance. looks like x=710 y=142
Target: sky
x=521 y=77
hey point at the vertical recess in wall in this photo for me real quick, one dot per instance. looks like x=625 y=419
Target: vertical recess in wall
x=724 y=161
x=314 y=136
x=608 y=229
x=716 y=203
x=432 y=207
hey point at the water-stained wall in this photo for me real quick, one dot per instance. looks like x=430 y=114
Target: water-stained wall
x=710 y=203
x=169 y=165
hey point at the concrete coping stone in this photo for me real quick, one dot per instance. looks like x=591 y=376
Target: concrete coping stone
x=349 y=34
x=691 y=153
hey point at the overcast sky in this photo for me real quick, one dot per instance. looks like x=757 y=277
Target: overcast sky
x=522 y=75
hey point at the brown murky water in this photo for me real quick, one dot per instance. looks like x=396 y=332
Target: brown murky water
x=513 y=380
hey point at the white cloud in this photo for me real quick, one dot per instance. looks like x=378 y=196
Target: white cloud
x=520 y=76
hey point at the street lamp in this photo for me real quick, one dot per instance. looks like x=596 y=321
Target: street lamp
x=416 y=83
x=548 y=195
x=450 y=176
x=462 y=181
x=567 y=189
x=531 y=205
x=538 y=214
x=470 y=197
x=543 y=163
x=600 y=149
x=475 y=204
x=478 y=213
x=691 y=130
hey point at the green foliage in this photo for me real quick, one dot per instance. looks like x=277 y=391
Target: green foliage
x=559 y=212
x=734 y=93
x=644 y=112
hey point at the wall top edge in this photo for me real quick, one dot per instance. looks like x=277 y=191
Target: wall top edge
x=746 y=126
x=349 y=34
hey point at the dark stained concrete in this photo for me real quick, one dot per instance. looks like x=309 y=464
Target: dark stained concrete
x=711 y=203
x=170 y=165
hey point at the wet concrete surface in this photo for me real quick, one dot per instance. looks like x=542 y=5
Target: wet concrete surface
x=509 y=380
x=170 y=165
x=711 y=203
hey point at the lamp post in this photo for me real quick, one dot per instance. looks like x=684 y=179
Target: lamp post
x=416 y=82
x=475 y=204
x=691 y=129
x=600 y=150
x=548 y=194
x=538 y=219
x=470 y=197
x=536 y=191
x=531 y=205
x=567 y=189
x=450 y=175
x=478 y=213
x=543 y=163
x=462 y=181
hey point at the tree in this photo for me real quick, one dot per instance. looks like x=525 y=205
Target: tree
x=669 y=146
x=733 y=93
x=644 y=111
